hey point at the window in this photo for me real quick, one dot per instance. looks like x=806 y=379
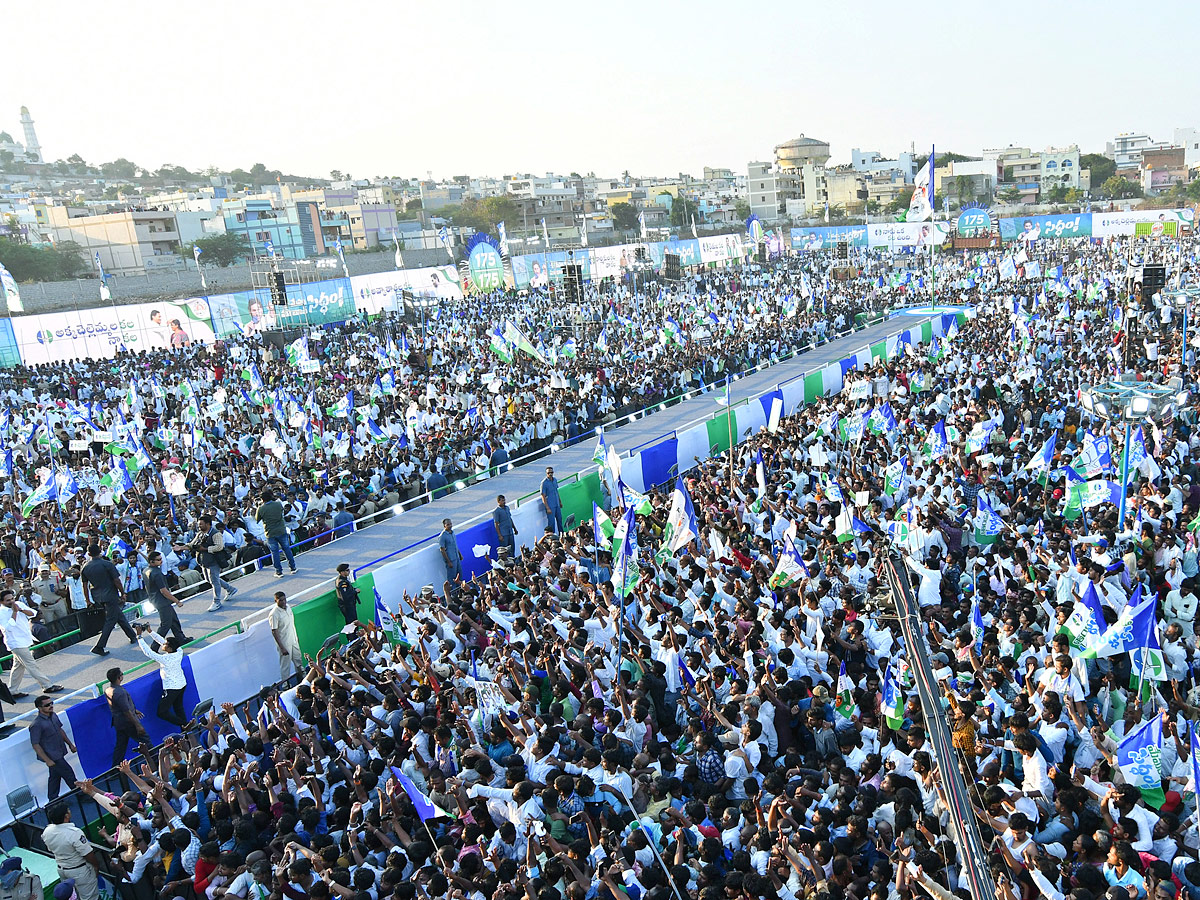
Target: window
x=1051 y=164
x=1067 y=164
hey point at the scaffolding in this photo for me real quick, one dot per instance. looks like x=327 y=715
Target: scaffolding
x=265 y=274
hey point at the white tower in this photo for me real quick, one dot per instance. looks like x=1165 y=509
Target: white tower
x=32 y=147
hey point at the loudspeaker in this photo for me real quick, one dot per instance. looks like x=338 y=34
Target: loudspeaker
x=278 y=289
x=1154 y=279
x=639 y=253
x=762 y=254
x=573 y=282
x=843 y=250
x=671 y=266
x=408 y=309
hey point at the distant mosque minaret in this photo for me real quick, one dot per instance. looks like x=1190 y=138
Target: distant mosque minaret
x=32 y=148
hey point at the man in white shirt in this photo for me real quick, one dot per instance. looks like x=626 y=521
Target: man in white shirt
x=16 y=619
x=170 y=665
x=282 y=622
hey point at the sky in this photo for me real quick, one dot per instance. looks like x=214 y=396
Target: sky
x=655 y=87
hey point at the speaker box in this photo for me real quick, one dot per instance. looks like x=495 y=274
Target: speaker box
x=671 y=266
x=278 y=289
x=573 y=282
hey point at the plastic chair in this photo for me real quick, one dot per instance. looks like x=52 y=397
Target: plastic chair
x=21 y=801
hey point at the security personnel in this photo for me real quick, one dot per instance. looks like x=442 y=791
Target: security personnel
x=72 y=851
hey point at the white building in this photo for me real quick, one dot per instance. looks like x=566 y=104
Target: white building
x=1126 y=149
x=871 y=161
x=1189 y=140
x=1059 y=168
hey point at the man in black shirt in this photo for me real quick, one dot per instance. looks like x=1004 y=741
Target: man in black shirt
x=126 y=719
x=347 y=594
x=164 y=601
x=102 y=585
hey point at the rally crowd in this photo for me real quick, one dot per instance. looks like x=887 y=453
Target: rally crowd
x=129 y=453
x=712 y=699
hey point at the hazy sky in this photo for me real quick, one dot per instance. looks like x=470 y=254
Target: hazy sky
x=460 y=86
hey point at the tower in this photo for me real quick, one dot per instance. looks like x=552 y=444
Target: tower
x=32 y=147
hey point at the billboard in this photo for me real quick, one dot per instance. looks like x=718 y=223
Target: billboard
x=719 y=248
x=829 y=237
x=1037 y=228
x=1168 y=228
x=381 y=291
x=1115 y=224
x=907 y=234
x=973 y=220
x=101 y=332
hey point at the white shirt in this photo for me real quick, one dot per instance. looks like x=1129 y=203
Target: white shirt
x=170 y=666
x=18 y=628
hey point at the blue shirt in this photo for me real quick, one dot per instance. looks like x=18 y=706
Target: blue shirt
x=503 y=521
x=343 y=523
x=550 y=493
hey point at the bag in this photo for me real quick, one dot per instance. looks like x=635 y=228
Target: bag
x=91 y=621
x=221 y=558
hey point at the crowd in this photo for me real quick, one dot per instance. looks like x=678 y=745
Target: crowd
x=712 y=699
x=129 y=453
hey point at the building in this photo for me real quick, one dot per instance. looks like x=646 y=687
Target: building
x=795 y=186
x=966 y=180
x=1126 y=149
x=129 y=243
x=798 y=152
x=871 y=162
x=842 y=187
x=1162 y=168
x=436 y=196
x=711 y=175
x=33 y=149
x=294 y=232
x=1189 y=140
x=1059 y=168
x=369 y=224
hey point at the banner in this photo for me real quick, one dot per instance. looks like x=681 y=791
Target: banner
x=1168 y=228
x=101 y=332
x=828 y=238
x=1036 y=228
x=719 y=248
x=973 y=220
x=1117 y=224
x=907 y=234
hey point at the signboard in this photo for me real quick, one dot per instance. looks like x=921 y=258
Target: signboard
x=485 y=266
x=973 y=221
x=719 y=248
x=813 y=239
x=1114 y=224
x=77 y=446
x=101 y=332
x=1036 y=228
x=907 y=234
x=1168 y=228
x=860 y=390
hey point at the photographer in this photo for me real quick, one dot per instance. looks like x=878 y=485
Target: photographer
x=170 y=666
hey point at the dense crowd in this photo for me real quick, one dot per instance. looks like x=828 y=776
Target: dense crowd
x=349 y=423
x=715 y=701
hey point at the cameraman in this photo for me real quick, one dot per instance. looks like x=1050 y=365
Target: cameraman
x=209 y=547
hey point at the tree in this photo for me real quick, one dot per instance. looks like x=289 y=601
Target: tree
x=335 y=174
x=1009 y=195
x=962 y=188
x=741 y=209
x=1057 y=194
x=29 y=263
x=223 y=249
x=1119 y=188
x=1101 y=167
x=414 y=205
x=118 y=168
x=682 y=211
x=902 y=201
x=625 y=217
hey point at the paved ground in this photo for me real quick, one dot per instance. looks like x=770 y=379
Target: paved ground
x=76 y=667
